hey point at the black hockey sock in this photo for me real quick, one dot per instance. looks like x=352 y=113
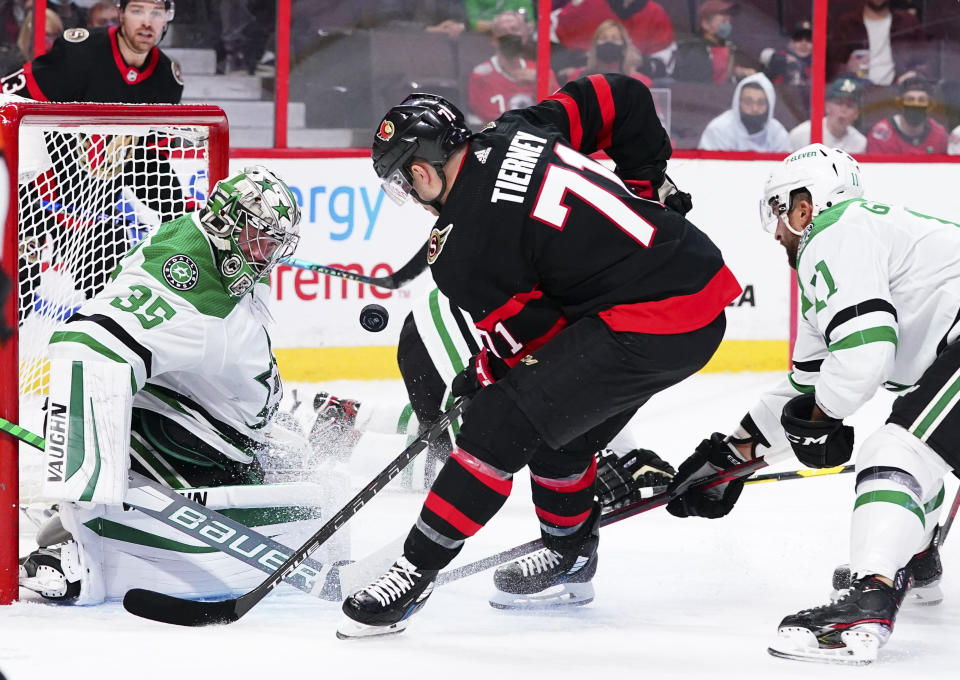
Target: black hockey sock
x=563 y=504
x=466 y=495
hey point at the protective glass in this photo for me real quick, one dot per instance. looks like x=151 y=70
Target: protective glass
x=397 y=186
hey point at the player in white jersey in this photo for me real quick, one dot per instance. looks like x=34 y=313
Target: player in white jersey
x=880 y=305
x=168 y=370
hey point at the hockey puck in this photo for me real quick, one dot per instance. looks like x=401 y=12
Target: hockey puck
x=374 y=318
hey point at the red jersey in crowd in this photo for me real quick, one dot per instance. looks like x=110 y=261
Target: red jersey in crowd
x=886 y=137
x=493 y=91
x=649 y=28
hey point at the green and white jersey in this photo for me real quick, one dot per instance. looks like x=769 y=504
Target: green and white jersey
x=879 y=299
x=200 y=357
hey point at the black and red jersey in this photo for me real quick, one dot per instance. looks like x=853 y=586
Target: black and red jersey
x=87 y=66
x=534 y=235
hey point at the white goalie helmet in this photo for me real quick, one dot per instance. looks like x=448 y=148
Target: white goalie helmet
x=830 y=175
x=253 y=219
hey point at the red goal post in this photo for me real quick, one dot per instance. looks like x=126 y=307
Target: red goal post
x=85 y=183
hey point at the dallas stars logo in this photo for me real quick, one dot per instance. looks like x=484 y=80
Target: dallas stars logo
x=180 y=272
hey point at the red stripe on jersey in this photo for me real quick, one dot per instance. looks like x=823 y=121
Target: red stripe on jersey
x=607 y=109
x=536 y=343
x=451 y=515
x=483 y=472
x=511 y=307
x=122 y=65
x=33 y=87
x=569 y=485
x=573 y=114
x=562 y=521
x=679 y=314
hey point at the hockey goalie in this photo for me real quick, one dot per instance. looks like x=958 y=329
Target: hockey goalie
x=168 y=371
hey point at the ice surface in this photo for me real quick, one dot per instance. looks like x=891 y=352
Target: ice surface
x=675 y=598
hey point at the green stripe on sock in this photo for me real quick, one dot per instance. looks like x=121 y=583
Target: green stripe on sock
x=866 y=336
x=75 y=450
x=803 y=389
x=895 y=497
x=937 y=409
x=404 y=421
x=932 y=505
x=445 y=338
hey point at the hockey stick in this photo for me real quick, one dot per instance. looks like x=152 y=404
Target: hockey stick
x=799 y=474
x=951 y=515
x=400 y=278
x=616 y=515
x=166 y=609
x=212 y=528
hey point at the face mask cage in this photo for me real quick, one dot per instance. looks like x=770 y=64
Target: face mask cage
x=262 y=245
x=397 y=186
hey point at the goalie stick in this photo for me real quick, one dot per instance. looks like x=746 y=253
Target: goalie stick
x=166 y=609
x=616 y=515
x=400 y=278
x=208 y=526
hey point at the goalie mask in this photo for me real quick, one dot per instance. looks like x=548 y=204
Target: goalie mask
x=830 y=175
x=252 y=219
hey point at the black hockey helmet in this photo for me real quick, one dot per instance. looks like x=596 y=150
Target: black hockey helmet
x=423 y=126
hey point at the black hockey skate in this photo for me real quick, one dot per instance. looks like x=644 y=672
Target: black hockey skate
x=332 y=432
x=924 y=570
x=848 y=631
x=547 y=578
x=385 y=606
x=42 y=571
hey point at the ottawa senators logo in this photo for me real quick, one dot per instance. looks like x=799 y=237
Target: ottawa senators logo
x=76 y=35
x=386 y=130
x=438 y=238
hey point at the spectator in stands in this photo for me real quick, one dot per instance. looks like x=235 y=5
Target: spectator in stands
x=710 y=57
x=54 y=30
x=71 y=14
x=506 y=80
x=612 y=52
x=647 y=23
x=791 y=65
x=842 y=109
x=103 y=15
x=749 y=124
x=246 y=25
x=912 y=131
x=480 y=13
x=857 y=63
x=894 y=38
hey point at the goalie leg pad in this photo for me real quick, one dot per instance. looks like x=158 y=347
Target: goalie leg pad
x=88 y=430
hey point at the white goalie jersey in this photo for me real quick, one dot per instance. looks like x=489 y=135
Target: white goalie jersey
x=163 y=338
x=879 y=299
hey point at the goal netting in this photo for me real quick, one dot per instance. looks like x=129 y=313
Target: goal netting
x=87 y=183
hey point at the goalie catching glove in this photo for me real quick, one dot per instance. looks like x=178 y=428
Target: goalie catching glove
x=817 y=443
x=712 y=456
x=620 y=479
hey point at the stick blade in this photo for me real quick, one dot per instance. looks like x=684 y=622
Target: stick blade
x=155 y=606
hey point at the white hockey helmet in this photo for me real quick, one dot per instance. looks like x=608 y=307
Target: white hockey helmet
x=253 y=219
x=830 y=175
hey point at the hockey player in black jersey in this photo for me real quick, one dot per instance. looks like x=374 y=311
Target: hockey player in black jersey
x=589 y=298
x=121 y=64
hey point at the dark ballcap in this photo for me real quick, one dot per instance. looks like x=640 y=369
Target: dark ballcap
x=801 y=29
x=845 y=88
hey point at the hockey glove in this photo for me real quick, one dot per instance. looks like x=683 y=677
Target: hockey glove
x=712 y=456
x=481 y=370
x=621 y=478
x=673 y=198
x=817 y=443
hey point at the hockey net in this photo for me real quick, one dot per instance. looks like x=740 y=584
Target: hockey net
x=86 y=183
